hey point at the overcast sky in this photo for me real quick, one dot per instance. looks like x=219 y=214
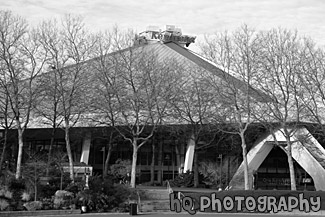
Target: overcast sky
x=195 y=17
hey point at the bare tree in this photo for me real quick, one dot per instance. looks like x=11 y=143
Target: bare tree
x=312 y=78
x=7 y=120
x=193 y=104
x=70 y=45
x=280 y=64
x=22 y=59
x=103 y=98
x=236 y=55
x=134 y=85
x=47 y=106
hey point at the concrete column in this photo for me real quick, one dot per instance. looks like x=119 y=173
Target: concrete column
x=86 y=148
x=300 y=153
x=255 y=158
x=307 y=160
x=189 y=156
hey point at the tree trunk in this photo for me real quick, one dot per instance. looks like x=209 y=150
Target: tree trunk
x=68 y=146
x=160 y=153
x=3 y=154
x=134 y=163
x=49 y=157
x=244 y=153
x=196 y=170
x=61 y=179
x=20 y=150
x=291 y=167
x=152 y=166
x=35 y=182
x=108 y=156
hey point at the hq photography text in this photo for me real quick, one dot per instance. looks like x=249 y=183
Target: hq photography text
x=240 y=203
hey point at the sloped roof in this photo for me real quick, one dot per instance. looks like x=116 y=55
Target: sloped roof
x=213 y=68
x=172 y=50
x=164 y=51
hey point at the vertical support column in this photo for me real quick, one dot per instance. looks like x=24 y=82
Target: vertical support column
x=85 y=148
x=189 y=156
x=179 y=157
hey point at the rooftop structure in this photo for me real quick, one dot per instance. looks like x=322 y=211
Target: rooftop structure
x=170 y=33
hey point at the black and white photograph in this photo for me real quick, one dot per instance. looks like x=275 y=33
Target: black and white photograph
x=162 y=107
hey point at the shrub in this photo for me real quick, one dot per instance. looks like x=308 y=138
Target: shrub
x=16 y=186
x=76 y=186
x=5 y=193
x=47 y=191
x=62 y=199
x=211 y=173
x=103 y=195
x=183 y=180
x=34 y=205
x=56 y=180
x=84 y=198
x=3 y=204
x=25 y=196
x=120 y=169
x=122 y=194
x=48 y=203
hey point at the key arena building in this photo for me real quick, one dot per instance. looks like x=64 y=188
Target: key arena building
x=172 y=149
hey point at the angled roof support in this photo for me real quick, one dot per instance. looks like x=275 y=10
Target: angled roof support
x=307 y=152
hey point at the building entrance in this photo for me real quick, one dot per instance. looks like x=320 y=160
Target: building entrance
x=274 y=173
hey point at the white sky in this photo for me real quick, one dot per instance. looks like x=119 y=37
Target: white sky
x=194 y=17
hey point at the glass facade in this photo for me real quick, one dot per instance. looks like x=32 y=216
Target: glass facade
x=169 y=154
x=274 y=173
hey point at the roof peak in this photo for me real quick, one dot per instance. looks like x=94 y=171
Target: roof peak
x=171 y=33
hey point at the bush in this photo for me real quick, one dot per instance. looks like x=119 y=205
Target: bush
x=25 y=196
x=56 y=180
x=183 y=180
x=75 y=187
x=210 y=171
x=47 y=191
x=34 y=205
x=17 y=187
x=120 y=169
x=84 y=198
x=48 y=203
x=5 y=193
x=103 y=195
x=3 y=204
x=63 y=199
